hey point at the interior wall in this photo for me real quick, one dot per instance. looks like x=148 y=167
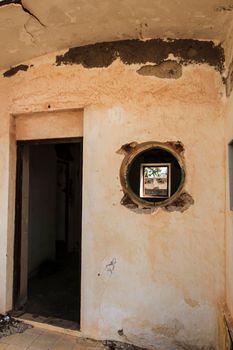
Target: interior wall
x=68 y=178
x=75 y=204
x=156 y=279
x=61 y=202
x=42 y=205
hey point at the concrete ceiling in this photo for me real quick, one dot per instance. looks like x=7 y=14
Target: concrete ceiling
x=36 y=27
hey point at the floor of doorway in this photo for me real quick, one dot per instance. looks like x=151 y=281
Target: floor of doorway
x=60 y=278
x=46 y=307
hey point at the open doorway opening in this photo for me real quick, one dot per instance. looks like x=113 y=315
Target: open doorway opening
x=47 y=262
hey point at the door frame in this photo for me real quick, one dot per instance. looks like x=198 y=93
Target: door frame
x=19 y=207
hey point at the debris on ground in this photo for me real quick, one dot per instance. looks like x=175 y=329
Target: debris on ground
x=118 y=345
x=9 y=326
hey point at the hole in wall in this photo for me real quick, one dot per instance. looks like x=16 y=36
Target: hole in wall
x=164 y=175
x=152 y=175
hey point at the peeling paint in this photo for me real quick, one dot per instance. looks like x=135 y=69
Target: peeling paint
x=135 y=51
x=166 y=70
x=14 y=70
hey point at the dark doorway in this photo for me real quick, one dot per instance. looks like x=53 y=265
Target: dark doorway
x=47 y=273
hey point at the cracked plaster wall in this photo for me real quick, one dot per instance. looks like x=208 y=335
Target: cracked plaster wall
x=30 y=28
x=154 y=280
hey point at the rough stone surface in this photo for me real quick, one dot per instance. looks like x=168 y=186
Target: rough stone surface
x=136 y=51
x=177 y=147
x=182 y=203
x=127 y=148
x=129 y=204
x=167 y=70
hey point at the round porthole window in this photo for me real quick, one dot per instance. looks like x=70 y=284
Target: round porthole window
x=152 y=173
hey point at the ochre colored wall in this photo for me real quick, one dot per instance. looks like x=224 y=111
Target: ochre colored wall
x=169 y=268
x=229 y=213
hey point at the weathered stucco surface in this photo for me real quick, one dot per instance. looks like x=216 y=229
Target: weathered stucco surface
x=30 y=28
x=159 y=278
x=42 y=125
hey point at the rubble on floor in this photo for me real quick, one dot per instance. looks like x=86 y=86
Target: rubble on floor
x=109 y=344
x=118 y=345
x=9 y=326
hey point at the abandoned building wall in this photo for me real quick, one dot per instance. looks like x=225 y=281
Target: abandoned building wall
x=41 y=227
x=154 y=280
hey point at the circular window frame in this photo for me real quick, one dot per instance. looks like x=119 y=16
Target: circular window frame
x=130 y=157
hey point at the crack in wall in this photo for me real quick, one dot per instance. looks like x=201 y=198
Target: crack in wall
x=24 y=8
x=32 y=14
x=29 y=33
x=8 y=2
